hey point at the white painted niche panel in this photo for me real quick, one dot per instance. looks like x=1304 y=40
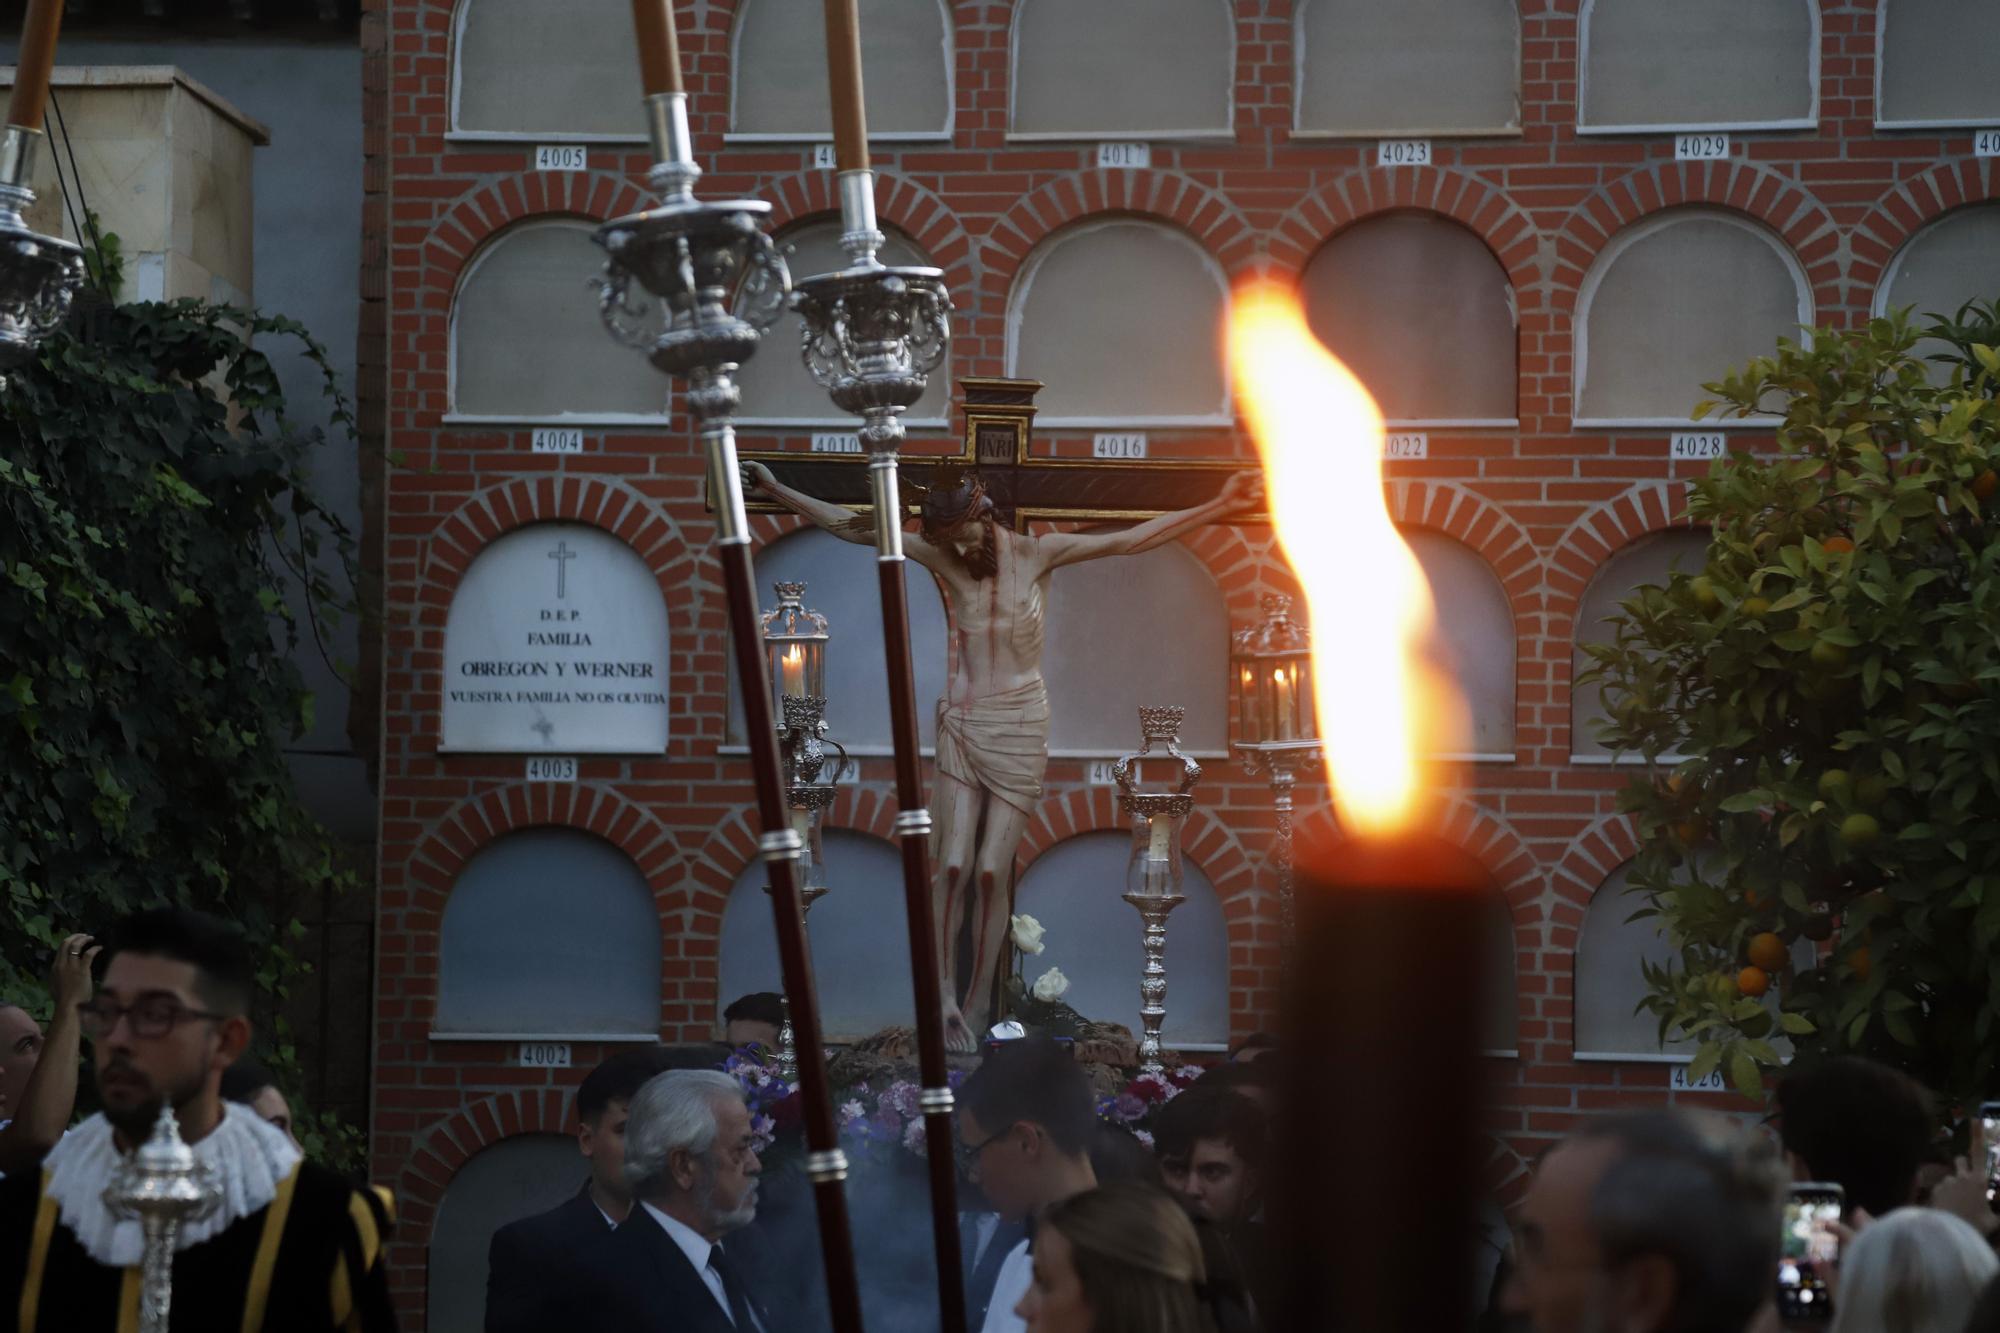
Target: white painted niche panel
x=556 y=642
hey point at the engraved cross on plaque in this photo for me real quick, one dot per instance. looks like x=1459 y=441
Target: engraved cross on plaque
x=999 y=418
x=562 y=555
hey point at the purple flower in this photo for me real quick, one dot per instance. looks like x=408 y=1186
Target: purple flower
x=1126 y=1108
x=913 y=1137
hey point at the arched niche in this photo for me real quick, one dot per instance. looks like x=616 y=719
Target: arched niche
x=1475 y=635
x=549 y=932
x=1500 y=1009
x=1123 y=319
x=1093 y=936
x=777 y=85
x=1949 y=262
x=1132 y=630
x=502 y=1183
x=1090 y=69
x=525 y=69
x=1430 y=67
x=1608 y=982
x=860 y=948
x=1419 y=308
x=1650 y=560
x=526 y=340
x=777 y=387
x=1676 y=302
x=840 y=584
x=556 y=642
x=1698 y=64
x=1934 y=63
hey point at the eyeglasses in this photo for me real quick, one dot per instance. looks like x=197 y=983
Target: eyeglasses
x=968 y=1153
x=148 y=1016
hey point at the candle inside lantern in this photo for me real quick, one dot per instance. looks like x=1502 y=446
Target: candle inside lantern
x=1253 y=722
x=793 y=665
x=843 y=78
x=659 y=46
x=1159 y=837
x=32 y=67
x=1386 y=915
x=1283 y=705
x=802 y=825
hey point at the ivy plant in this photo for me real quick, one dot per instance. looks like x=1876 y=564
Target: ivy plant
x=157 y=503
x=1818 y=707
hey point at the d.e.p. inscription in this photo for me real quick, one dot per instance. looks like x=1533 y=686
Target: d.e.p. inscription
x=556 y=641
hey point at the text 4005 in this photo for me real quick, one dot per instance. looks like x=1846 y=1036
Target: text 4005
x=561 y=157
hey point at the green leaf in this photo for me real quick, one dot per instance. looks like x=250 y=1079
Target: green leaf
x=1796 y=1025
x=1743 y=1072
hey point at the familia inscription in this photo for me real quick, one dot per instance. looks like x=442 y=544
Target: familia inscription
x=556 y=640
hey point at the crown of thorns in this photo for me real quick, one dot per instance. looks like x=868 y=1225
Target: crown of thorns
x=956 y=495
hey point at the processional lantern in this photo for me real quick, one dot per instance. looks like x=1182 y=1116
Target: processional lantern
x=1158 y=811
x=39 y=275
x=795 y=646
x=1270 y=677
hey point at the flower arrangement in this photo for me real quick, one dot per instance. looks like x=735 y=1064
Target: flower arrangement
x=774 y=1103
x=876 y=1122
x=1135 y=1104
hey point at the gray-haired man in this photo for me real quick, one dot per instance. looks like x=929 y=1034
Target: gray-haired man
x=692 y=1164
x=1648 y=1222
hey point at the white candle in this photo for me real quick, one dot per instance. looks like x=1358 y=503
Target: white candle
x=1160 y=829
x=1253 y=725
x=1283 y=685
x=794 y=668
x=802 y=825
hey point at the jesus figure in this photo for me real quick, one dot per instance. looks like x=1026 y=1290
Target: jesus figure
x=993 y=723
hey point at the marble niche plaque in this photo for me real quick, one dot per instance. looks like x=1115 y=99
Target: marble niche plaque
x=556 y=642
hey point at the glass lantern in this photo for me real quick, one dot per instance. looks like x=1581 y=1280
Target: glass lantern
x=1270 y=675
x=1154 y=868
x=795 y=648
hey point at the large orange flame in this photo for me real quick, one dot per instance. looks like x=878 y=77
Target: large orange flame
x=1384 y=709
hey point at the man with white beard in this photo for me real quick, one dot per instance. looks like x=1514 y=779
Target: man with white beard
x=691 y=1159
x=1648 y=1222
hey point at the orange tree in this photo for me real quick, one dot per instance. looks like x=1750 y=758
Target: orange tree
x=1819 y=711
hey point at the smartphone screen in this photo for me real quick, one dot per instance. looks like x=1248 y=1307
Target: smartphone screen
x=1989 y=1145
x=1808 y=1247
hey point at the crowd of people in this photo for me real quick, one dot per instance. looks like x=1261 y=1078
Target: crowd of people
x=1843 y=1215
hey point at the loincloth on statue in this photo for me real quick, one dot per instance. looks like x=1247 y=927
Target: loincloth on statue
x=999 y=743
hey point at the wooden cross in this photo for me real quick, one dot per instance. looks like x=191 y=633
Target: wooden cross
x=999 y=420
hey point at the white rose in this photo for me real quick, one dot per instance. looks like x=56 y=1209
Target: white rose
x=1027 y=934
x=1050 y=986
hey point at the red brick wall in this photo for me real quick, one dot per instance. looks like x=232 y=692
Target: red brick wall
x=1544 y=504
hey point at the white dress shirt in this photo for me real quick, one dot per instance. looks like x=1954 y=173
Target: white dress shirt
x=1017 y=1274
x=698 y=1249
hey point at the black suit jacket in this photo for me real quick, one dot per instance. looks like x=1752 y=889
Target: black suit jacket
x=537 y=1268
x=645 y=1284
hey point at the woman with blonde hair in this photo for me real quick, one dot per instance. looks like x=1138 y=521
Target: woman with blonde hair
x=1918 y=1270
x=1123 y=1258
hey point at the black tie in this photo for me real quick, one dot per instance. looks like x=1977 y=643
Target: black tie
x=732 y=1287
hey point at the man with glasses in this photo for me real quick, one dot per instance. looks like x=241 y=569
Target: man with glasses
x=292 y=1247
x=1648 y=1222
x=691 y=1160
x=1024 y=1122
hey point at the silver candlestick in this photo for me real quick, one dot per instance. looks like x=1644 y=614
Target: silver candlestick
x=1154 y=870
x=39 y=274
x=803 y=741
x=162 y=1185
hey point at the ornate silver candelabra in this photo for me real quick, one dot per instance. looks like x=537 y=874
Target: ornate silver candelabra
x=1154 y=869
x=39 y=274
x=709 y=283
x=164 y=1187
x=803 y=742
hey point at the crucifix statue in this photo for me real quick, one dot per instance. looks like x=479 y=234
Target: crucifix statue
x=993 y=723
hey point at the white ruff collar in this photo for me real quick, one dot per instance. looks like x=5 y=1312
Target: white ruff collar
x=248 y=1156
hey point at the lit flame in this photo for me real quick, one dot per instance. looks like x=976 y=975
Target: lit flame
x=1384 y=709
x=794 y=657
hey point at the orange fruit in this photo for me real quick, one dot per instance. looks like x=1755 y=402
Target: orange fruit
x=1690 y=831
x=1859 y=832
x=1767 y=951
x=1985 y=484
x=1753 y=981
x=1838 y=545
x=1861 y=962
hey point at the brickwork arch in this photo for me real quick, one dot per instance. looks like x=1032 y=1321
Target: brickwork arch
x=1646 y=508
x=900 y=202
x=452 y=545
x=448 y=1145
x=1495 y=536
x=1357 y=195
x=1906 y=209
x=481 y=215
x=1479 y=832
x=1172 y=198
x=1752 y=189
